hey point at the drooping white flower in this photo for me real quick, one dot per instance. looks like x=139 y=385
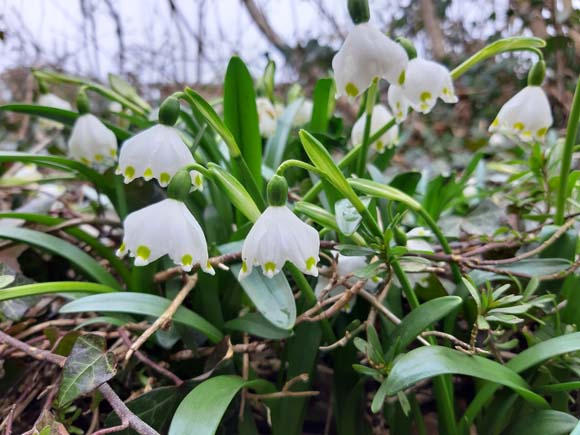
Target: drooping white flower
x=398 y=103
x=91 y=142
x=380 y=117
x=51 y=100
x=304 y=114
x=365 y=55
x=165 y=228
x=279 y=236
x=158 y=152
x=417 y=240
x=527 y=114
x=267 y=117
x=425 y=81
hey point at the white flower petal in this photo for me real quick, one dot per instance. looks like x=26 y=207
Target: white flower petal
x=425 y=81
x=91 y=142
x=166 y=227
x=51 y=100
x=527 y=114
x=380 y=117
x=398 y=103
x=158 y=152
x=267 y=117
x=279 y=236
x=365 y=55
x=304 y=114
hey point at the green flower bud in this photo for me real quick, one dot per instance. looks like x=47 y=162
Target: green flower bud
x=408 y=46
x=83 y=104
x=277 y=191
x=537 y=73
x=169 y=111
x=400 y=236
x=359 y=11
x=179 y=186
x=42 y=88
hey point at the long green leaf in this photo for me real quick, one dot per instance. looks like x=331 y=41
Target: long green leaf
x=77 y=233
x=420 y=319
x=202 y=409
x=429 y=361
x=385 y=191
x=53 y=287
x=323 y=104
x=87 y=264
x=530 y=357
x=241 y=115
x=60 y=115
x=143 y=304
x=545 y=422
x=256 y=324
x=276 y=145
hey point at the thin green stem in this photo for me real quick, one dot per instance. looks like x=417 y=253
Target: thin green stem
x=571 y=132
x=296 y=163
x=311 y=300
x=362 y=157
x=199 y=168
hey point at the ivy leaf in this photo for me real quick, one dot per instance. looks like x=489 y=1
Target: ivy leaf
x=88 y=366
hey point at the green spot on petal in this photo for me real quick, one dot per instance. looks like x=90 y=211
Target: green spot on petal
x=85 y=161
x=187 y=260
x=129 y=172
x=99 y=157
x=244 y=267
x=148 y=173
x=164 y=178
x=310 y=263
x=518 y=126
x=270 y=266
x=426 y=96
x=198 y=180
x=143 y=252
x=113 y=153
x=122 y=247
x=542 y=132
x=402 y=78
x=351 y=89
x=495 y=122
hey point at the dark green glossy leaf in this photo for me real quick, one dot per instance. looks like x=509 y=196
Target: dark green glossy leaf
x=545 y=422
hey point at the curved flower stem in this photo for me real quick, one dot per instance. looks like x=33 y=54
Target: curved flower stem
x=298 y=164
x=370 y=104
x=199 y=168
x=311 y=300
x=571 y=131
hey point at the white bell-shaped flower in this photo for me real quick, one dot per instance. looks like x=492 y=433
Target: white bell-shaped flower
x=279 y=236
x=166 y=227
x=527 y=114
x=158 y=152
x=345 y=265
x=380 y=117
x=267 y=117
x=91 y=142
x=417 y=240
x=51 y=100
x=304 y=114
x=367 y=54
x=398 y=102
x=425 y=81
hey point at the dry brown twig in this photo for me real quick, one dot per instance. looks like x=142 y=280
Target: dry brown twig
x=166 y=317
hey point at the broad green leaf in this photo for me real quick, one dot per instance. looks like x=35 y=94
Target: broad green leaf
x=241 y=115
x=234 y=190
x=60 y=115
x=88 y=366
x=143 y=304
x=77 y=233
x=201 y=411
x=323 y=102
x=156 y=408
x=57 y=162
x=276 y=145
x=214 y=120
x=6 y=280
x=84 y=262
x=53 y=287
x=530 y=357
x=348 y=218
x=385 y=191
x=545 y=422
x=473 y=292
x=256 y=324
x=538 y=267
x=429 y=361
x=420 y=319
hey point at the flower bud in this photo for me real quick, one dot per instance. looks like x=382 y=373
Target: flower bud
x=277 y=191
x=179 y=186
x=408 y=46
x=359 y=11
x=169 y=111
x=400 y=236
x=537 y=73
x=42 y=88
x=83 y=105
